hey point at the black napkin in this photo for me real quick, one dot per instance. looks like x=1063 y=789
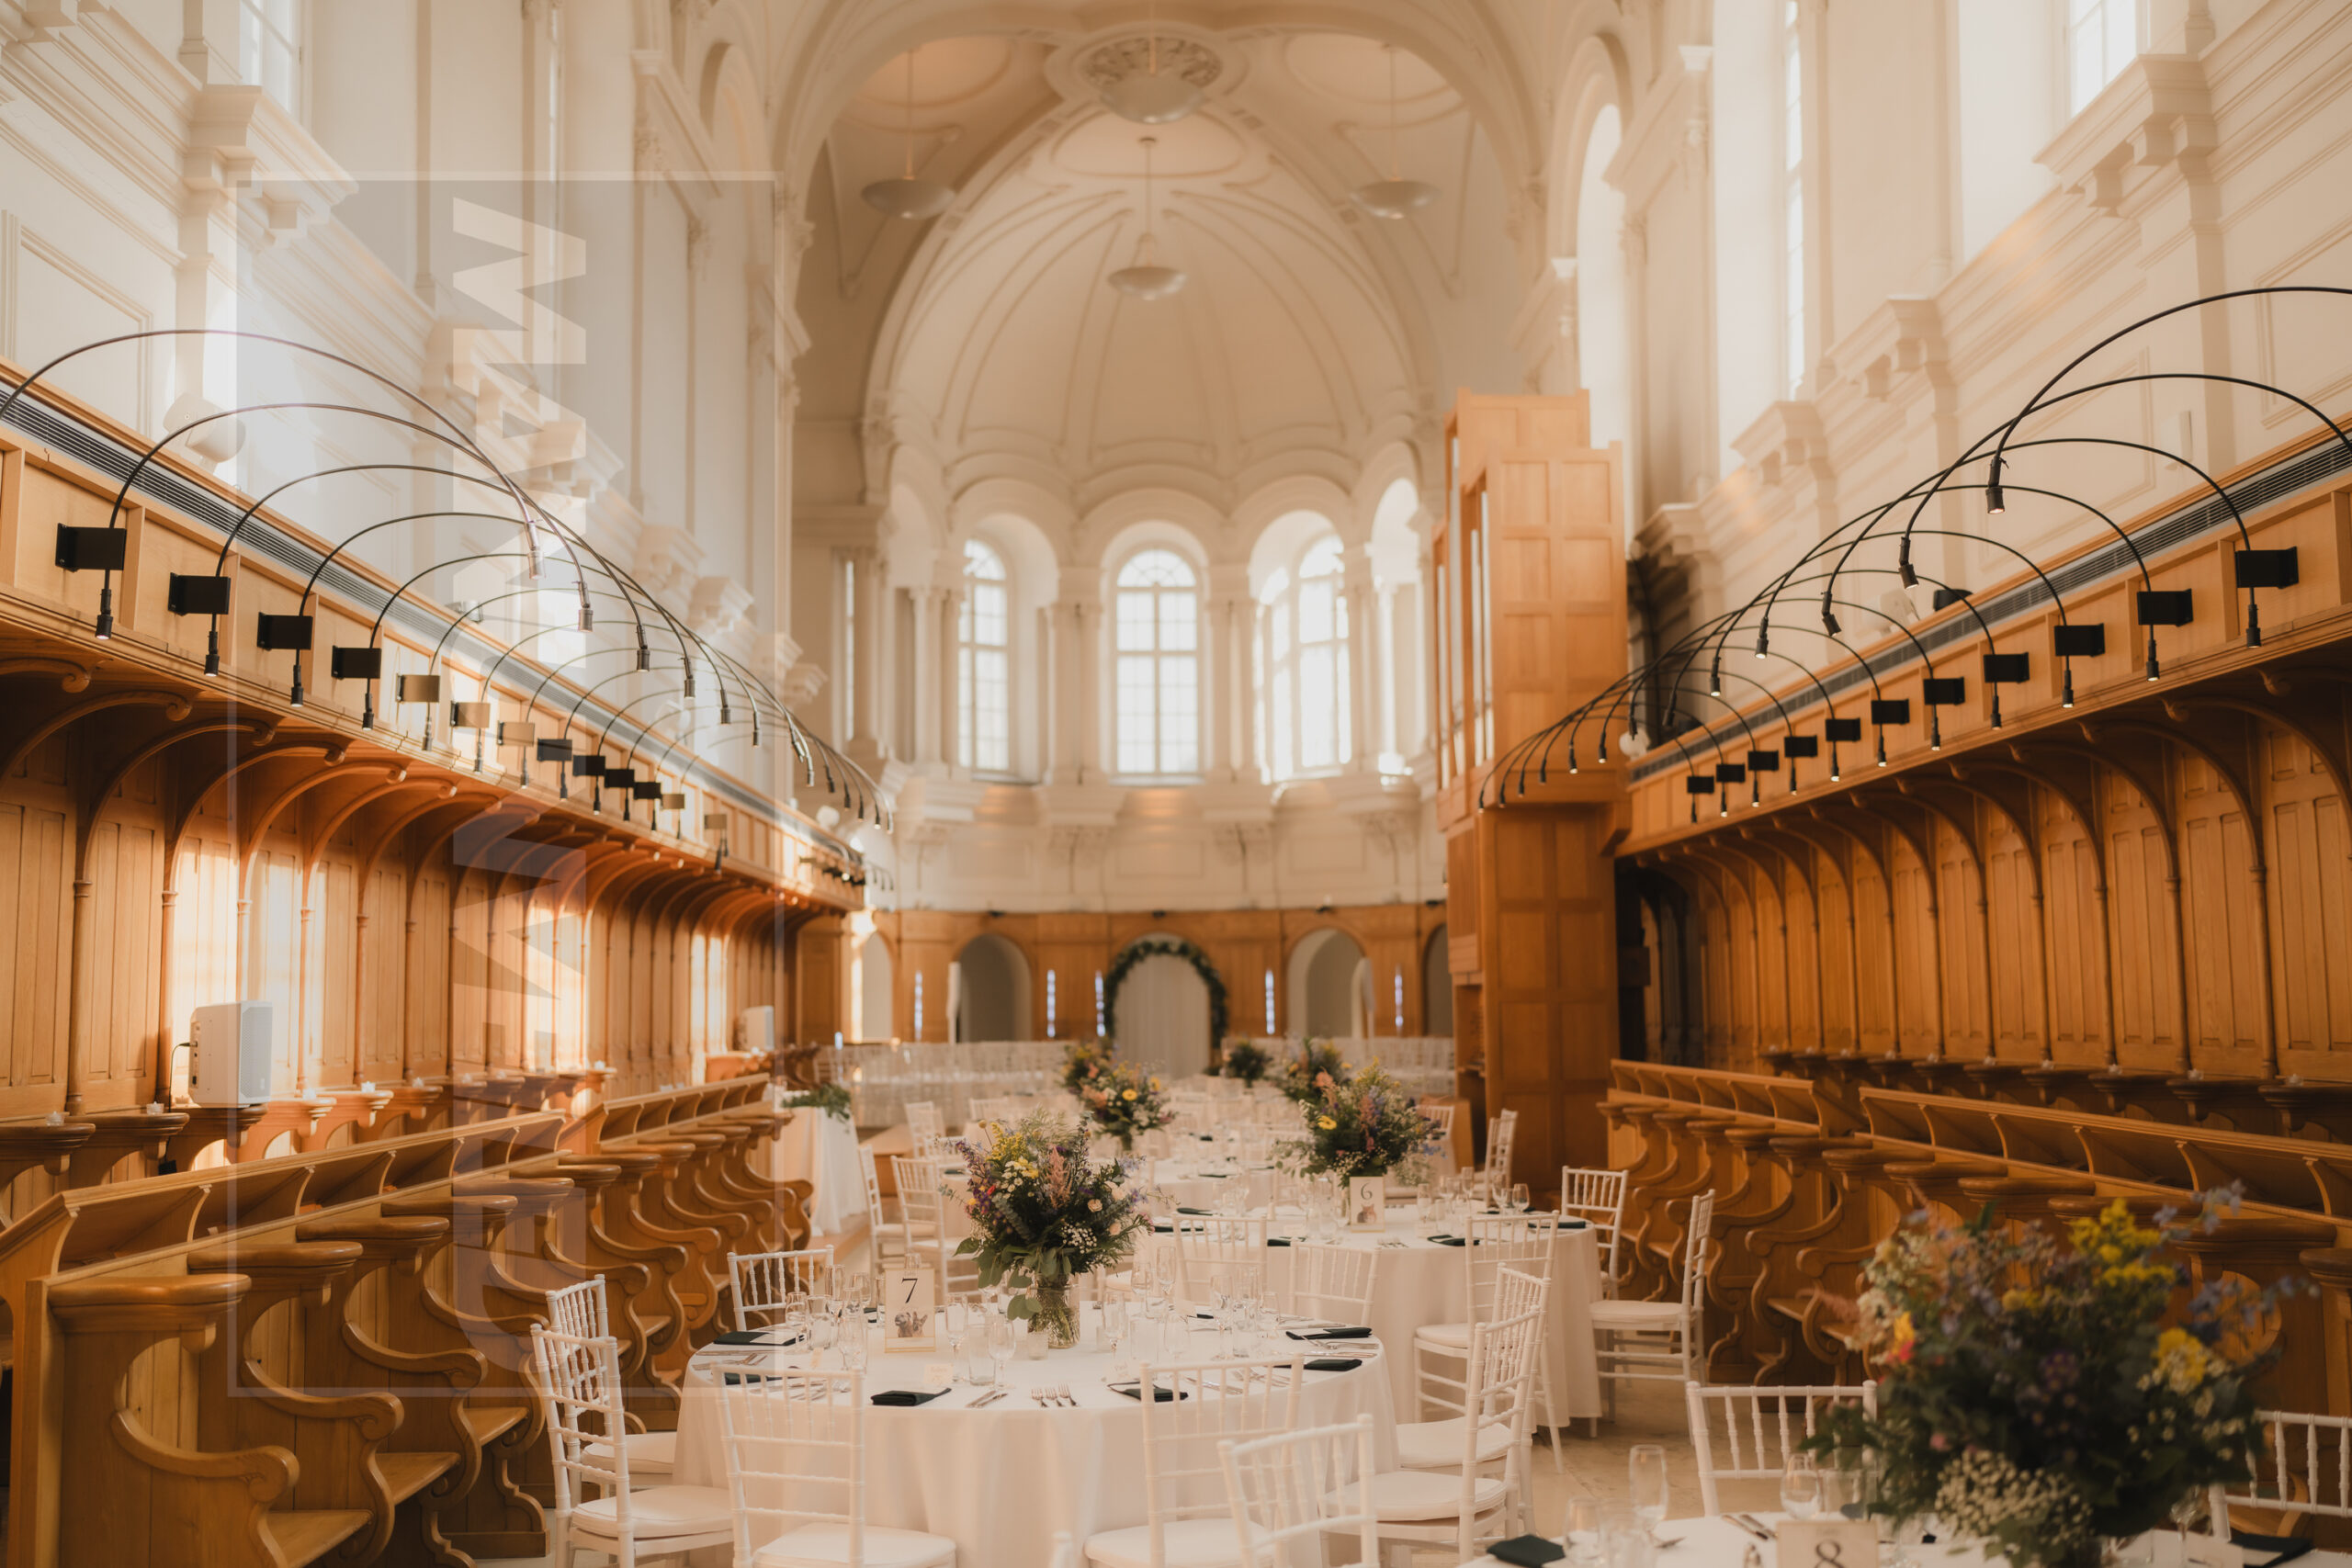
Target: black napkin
x=1158 y=1395
x=1278 y=1241
x=1528 y=1550
x=1204 y=1213
x=1450 y=1240
x=2287 y=1546
x=906 y=1395
x=752 y=1336
x=1330 y=1334
x=1334 y=1364
x=1161 y=1227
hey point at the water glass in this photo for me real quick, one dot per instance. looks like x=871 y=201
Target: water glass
x=1581 y=1531
x=1004 y=1337
x=852 y=1344
x=1117 y=1321
x=1801 y=1487
x=1625 y=1538
x=1645 y=1476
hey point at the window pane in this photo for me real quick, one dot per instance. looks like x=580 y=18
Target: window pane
x=1156 y=568
x=1179 y=717
x=979 y=562
x=984 y=611
x=1135 y=623
x=1281 y=727
x=1180 y=623
x=1282 y=631
x=1314 y=611
x=965 y=697
x=991 y=743
x=1136 y=739
x=1317 y=741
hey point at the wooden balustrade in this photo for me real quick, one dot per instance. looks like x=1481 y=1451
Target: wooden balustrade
x=325 y=1355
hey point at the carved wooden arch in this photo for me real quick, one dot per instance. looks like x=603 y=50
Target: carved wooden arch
x=1700 y=888
x=1756 y=939
x=2032 y=842
x=72 y=676
x=2258 y=834
x=389 y=833
x=1940 y=1015
x=2272 y=717
x=1853 y=927
x=400 y=784
x=1772 y=836
x=258 y=825
x=177 y=707
x=1864 y=843
x=2086 y=814
x=230 y=773
x=96 y=800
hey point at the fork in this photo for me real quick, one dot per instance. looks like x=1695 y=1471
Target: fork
x=1062 y=1393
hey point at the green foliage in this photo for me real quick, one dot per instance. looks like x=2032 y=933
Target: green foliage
x=833 y=1099
x=1317 y=1067
x=1135 y=953
x=1124 y=1101
x=1041 y=1212
x=1245 y=1061
x=1366 y=1127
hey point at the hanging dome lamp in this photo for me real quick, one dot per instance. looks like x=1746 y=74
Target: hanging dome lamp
x=1146 y=97
x=1146 y=277
x=1393 y=197
x=906 y=197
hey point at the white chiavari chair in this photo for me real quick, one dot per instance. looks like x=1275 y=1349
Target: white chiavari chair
x=1210 y=1248
x=1495 y=1243
x=2302 y=1468
x=1297 y=1493
x=935 y=1220
x=1440 y=1445
x=1188 y=1523
x=923 y=1120
x=1660 y=1341
x=1331 y=1281
x=796 y=1454
x=1753 y=1429
x=1501 y=1134
x=765 y=1282
x=1467 y=1506
x=1598 y=1198
x=580 y=1312
x=580 y=1383
x=887 y=1237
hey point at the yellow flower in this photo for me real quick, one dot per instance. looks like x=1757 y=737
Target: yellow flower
x=1900 y=1339
x=1325 y=1123
x=1129 y=1094
x=2181 y=1359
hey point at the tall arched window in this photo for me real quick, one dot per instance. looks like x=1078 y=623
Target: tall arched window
x=1159 y=634
x=2101 y=38
x=1792 y=195
x=983 y=664
x=1307 y=663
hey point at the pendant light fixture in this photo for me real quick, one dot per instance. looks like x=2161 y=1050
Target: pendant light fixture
x=1148 y=97
x=1146 y=278
x=906 y=197
x=1393 y=197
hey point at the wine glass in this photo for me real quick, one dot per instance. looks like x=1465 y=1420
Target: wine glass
x=1118 y=1322
x=1801 y=1487
x=1645 y=1476
x=957 y=1318
x=1582 y=1530
x=1004 y=1337
x=1519 y=1198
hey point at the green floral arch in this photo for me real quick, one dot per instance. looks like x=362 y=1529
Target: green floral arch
x=1167 y=947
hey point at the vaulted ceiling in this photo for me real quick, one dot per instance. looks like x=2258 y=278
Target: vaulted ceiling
x=984 y=345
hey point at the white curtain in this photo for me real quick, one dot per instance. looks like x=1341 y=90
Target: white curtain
x=1163 y=1016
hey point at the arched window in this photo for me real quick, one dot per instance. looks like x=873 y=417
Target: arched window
x=269 y=48
x=2101 y=38
x=1159 y=632
x=1307 y=663
x=983 y=664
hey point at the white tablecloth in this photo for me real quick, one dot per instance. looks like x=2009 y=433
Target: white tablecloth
x=1718 y=1543
x=1203 y=1185
x=814 y=1146
x=1002 y=1480
x=1421 y=1282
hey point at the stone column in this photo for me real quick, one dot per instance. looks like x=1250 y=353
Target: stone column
x=929 y=696
x=951 y=692
x=1386 y=630
x=1364 y=663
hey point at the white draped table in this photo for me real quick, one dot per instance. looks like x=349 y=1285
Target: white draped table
x=1001 y=1480
x=1421 y=1282
x=822 y=1149
x=1718 y=1543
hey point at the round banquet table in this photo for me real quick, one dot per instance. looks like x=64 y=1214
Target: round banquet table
x=1717 y=1543
x=822 y=1149
x=1002 y=1480
x=1422 y=1282
x=1201 y=1184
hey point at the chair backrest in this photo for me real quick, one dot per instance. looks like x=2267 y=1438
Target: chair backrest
x=868 y=1169
x=1333 y=1282
x=923 y=1120
x=1208 y=1247
x=2302 y=1464
x=1501 y=1135
x=1598 y=1198
x=1441 y=1113
x=579 y=1310
x=579 y=1390
x=1698 y=1245
x=1215 y=1403
x=1503 y=1353
x=1499 y=1242
x=1746 y=1433
x=765 y=1282
x=795 y=1439
x=919 y=1179
x=1294 y=1491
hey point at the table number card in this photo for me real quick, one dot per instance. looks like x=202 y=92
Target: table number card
x=1367 y=1203
x=909 y=1322
x=1828 y=1543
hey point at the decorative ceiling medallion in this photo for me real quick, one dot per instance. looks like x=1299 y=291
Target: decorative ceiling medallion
x=1108 y=63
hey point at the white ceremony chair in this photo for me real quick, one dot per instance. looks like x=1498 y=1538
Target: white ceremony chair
x=1501 y=1134
x=1665 y=1342
x=1188 y=1523
x=580 y=1380
x=1466 y=1506
x=925 y=1121
x=935 y=1220
x=1495 y=1243
x=796 y=1453
x=1295 y=1493
x=1209 y=1247
x=1756 y=1428
x=1598 y=1198
x=765 y=1282
x=1440 y=1445
x=2302 y=1467
x=889 y=1237
x=1331 y=1281
x=578 y=1311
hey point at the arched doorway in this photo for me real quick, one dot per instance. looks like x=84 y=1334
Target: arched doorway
x=991 y=981
x=1437 y=985
x=1330 y=979
x=872 y=992
x=1162 y=1018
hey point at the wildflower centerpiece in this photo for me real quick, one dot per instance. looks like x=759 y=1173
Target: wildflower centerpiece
x=1368 y=1125
x=1042 y=1214
x=1085 y=1061
x=1244 y=1060
x=1124 y=1101
x=2046 y=1396
x=1317 y=1067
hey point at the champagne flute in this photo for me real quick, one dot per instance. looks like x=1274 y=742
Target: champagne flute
x=1801 y=1487
x=1645 y=1475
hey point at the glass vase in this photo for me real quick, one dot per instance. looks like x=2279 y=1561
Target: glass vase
x=1057 y=1316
